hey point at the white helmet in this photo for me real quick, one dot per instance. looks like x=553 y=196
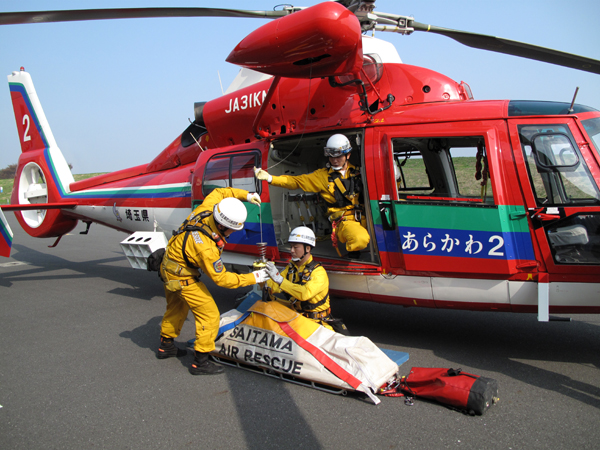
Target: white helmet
x=303 y=235
x=337 y=145
x=231 y=213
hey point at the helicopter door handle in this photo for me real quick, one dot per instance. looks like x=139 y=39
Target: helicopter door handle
x=550 y=214
x=517 y=215
x=387 y=217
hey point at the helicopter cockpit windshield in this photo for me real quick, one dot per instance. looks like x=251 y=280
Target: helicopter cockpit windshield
x=592 y=127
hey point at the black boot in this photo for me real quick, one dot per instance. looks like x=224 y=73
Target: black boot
x=168 y=349
x=202 y=366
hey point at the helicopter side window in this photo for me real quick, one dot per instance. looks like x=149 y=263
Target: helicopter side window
x=575 y=239
x=557 y=171
x=449 y=170
x=242 y=171
x=231 y=171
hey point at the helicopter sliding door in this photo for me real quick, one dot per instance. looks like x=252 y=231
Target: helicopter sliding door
x=444 y=214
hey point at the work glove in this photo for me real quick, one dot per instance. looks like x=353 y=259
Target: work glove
x=273 y=272
x=253 y=198
x=262 y=175
x=260 y=276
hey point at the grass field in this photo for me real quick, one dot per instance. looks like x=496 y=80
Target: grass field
x=464 y=166
x=6 y=191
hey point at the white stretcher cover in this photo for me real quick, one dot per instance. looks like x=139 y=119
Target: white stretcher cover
x=273 y=336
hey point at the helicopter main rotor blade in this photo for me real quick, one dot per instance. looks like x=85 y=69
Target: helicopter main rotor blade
x=16 y=18
x=515 y=48
x=403 y=24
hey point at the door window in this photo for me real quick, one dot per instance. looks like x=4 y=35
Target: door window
x=575 y=239
x=231 y=171
x=557 y=171
x=448 y=170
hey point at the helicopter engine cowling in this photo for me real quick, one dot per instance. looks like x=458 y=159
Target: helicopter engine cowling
x=320 y=41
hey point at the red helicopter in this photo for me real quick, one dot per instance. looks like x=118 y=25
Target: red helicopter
x=478 y=205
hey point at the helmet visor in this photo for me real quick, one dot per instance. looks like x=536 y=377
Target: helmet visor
x=332 y=152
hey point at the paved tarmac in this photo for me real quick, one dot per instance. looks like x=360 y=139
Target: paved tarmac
x=77 y=369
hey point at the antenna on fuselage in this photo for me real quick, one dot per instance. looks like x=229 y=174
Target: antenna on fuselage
x=573 y=102
x=219 y=75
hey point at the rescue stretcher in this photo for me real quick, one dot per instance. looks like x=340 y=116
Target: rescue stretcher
x=271 y=339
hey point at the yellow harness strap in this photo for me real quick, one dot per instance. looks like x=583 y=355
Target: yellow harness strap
x=178 y=270
x=340 y=185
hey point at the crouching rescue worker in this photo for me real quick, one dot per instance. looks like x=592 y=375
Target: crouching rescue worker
x=196 y=247
x=340 y=185
x=304 y=282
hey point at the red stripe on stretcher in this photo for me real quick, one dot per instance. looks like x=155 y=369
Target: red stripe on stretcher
x=329 y=363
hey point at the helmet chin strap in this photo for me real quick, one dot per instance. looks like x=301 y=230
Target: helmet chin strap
x=338 y=168
x=223 y=230
x=296 y=259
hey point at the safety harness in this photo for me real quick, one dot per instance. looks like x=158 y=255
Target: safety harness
x=189 y=270
x=347 y=192
x=196 y=224
x=481 y=169
x=307 y=307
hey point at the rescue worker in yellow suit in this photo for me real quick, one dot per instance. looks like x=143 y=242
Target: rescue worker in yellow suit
x=340 y=185
x=195 y=247
x=304 y=281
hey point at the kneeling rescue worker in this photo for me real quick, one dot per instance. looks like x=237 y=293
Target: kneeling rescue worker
x=195 y=247
x=304 y=281
x=340 y=185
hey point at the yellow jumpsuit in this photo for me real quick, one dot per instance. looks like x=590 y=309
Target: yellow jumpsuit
x=349 y=231
x=202 y=252
x=307 y=294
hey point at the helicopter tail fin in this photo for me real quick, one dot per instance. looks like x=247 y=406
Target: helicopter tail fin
x=35 y=134
x=6 y=236
x=43 y=175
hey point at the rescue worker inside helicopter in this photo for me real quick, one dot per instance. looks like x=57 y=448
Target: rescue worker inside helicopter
x=304 y=282
x=197 y=246
x=340 y=185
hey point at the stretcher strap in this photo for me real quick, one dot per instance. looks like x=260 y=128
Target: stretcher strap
x=329 y=363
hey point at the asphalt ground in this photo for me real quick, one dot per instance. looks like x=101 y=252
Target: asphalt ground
x=79 y=330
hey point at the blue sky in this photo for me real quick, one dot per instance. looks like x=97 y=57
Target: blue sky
x=118 y=92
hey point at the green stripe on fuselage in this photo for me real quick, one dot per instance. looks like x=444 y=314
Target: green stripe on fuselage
x=457 y=217
x=267 y=216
